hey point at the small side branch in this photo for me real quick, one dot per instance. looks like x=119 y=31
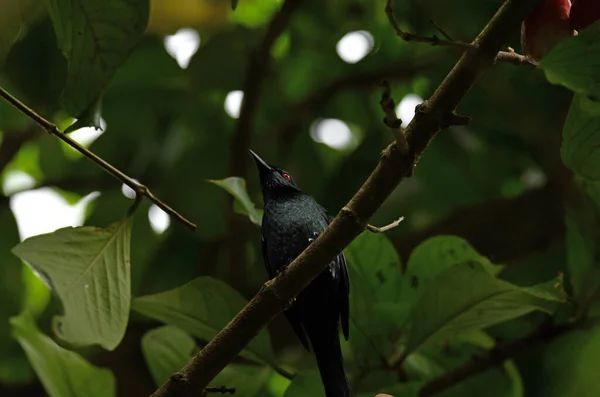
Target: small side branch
x=383 y=229
x=140 y=190
x=509 y=56
x=391 y=120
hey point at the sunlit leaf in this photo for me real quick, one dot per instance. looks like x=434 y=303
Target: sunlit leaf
x=447 y=307
x=237 y=188
x=202 y=308
x=96 y=37
x=62 y=372
x=89 y=269
x=573 y=62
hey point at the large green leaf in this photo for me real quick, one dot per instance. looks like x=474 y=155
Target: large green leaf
x=581 y=138
x=466 y=297
x=202 y=308
x=306 y=383
x=237 y=188
x=375 y=307
x=166 y=350
x=62 y=372
x=89 y=269
x=575 y=62
x=96 y=37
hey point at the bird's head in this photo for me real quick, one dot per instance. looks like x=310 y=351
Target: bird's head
x=273 y=181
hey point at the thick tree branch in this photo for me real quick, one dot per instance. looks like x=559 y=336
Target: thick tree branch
x=495 y=357
x=502 y=56
x=260 y=60
x=53 y=130
x=276 y=294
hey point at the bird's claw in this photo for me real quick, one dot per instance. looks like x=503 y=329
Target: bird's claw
x=311 y=239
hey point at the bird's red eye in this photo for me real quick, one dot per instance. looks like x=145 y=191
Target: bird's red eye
x=286 y=176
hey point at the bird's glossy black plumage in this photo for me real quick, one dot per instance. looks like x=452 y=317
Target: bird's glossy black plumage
x=291 y=221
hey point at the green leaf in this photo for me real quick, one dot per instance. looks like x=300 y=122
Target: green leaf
x=62 y=372
x=246 y=379
x=581 y=139
x=466 y=297
x=96 y=37
x=89 y=269
x=375 y=308
x=202 y=308
x=375 y=259
x=166 y=350
x=573 y=62
x=438 y=253
x=582 y=242
x=237 y=188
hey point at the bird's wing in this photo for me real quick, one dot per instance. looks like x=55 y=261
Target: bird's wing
x=265 y=254
x=344 y=296
x=344 y=290
x=289 y=314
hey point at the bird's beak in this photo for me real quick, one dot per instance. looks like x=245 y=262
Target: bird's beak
x=260 y=163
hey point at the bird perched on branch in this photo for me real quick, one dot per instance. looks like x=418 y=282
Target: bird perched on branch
x=291 y=221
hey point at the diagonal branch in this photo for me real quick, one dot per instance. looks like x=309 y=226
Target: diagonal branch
x=276 y=294
x=53 y=130
x=495 y=357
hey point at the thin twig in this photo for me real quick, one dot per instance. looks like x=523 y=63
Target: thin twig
x=383 y=229
x=433 y=40
x=435 y=25
x=503 y=56
x=275 y=295
x=53 y=130
x=391 y=120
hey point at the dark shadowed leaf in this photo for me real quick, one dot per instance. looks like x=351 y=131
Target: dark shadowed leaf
x=89 y=269
x=96 y=37
x=581 y=138
x=166 y=350
x=237 y=188
x=447 y=308
x=62 y=372
x=202 y=308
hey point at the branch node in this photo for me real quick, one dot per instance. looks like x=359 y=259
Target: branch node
x=390 y=118
x=383 y=229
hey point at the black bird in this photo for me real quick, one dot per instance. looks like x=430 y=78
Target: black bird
x=291 y=221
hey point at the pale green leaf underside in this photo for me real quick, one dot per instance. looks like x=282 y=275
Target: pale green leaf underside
x=237 y=188
x=89 y=269
x=466 y=297
x=202 y=308
x=63 y=373
x=96 y=37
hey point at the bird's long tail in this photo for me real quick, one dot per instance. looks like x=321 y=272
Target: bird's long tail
x=326 y=346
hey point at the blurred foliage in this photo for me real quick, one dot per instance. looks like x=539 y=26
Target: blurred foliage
x=114 y=307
